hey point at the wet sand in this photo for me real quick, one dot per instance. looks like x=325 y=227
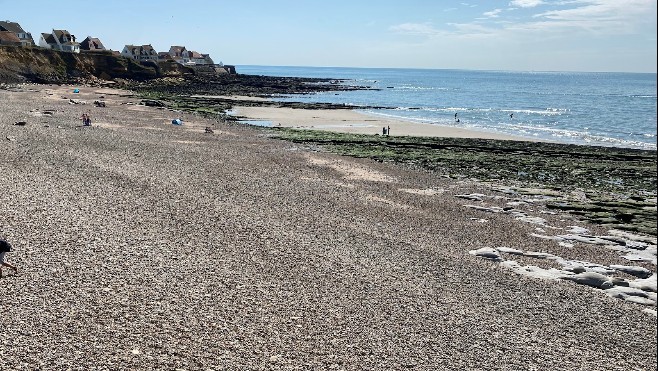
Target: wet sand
x=348 y=121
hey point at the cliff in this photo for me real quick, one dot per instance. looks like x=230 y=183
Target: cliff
x=20 y=64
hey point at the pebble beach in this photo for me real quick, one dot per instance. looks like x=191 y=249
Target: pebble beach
x=146 y=245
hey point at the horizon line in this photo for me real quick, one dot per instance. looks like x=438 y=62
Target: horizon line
x=446 y=69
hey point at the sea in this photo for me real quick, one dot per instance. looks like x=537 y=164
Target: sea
x=592 y=108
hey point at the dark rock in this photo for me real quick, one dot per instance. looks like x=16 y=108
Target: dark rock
x=152 y=103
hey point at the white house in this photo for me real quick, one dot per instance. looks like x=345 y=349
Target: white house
x=140 y=52
x=60 y=40
x=198 y=58
x=183 y=56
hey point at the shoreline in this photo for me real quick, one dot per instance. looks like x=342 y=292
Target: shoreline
x=353 y=122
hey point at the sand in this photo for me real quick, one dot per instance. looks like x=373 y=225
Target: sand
x=145 y=245
x=349 y=121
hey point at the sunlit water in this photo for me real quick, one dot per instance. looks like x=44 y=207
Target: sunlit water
x=611 y=109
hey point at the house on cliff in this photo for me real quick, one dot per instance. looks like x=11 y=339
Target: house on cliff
x=9 y=38
x=198 y=58
x=92 y=44
x=164 y=56
x=140 y=52
x=178 y=52
x=181 y=55
x=16 y=29
x=60 y=40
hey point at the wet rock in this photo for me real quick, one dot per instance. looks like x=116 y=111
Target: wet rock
x=632 y=295
x=487 y=253
x=633 y=270
x=152 y=103
x=593 y=279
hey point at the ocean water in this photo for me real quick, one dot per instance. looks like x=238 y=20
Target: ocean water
x=608 y=109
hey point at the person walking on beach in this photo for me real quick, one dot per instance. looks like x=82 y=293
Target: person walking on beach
x=86 y=119
x=388 y=130
x=5 y=247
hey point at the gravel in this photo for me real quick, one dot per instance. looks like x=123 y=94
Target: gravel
x=144 y=245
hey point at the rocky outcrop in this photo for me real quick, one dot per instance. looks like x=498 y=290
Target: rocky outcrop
x=19 y=64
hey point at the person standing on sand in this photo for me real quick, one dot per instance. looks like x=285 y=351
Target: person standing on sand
x=84 y=119
x=5 y=247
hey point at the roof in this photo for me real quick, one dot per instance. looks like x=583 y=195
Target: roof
x=140 y=49
x=9 y=37
x=60 y=34
x=49 y=38
x=11 y=26
x=92 y=43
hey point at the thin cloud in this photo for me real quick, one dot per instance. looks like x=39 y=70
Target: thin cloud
x=602 y=17
x=493 y=14
x=526 y=3
x=415 y=29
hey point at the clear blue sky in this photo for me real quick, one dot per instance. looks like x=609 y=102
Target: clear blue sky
x=529 y=35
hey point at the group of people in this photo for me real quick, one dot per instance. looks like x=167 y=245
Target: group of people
x=86 y=119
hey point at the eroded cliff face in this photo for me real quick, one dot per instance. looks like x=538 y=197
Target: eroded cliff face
x=19 y=64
